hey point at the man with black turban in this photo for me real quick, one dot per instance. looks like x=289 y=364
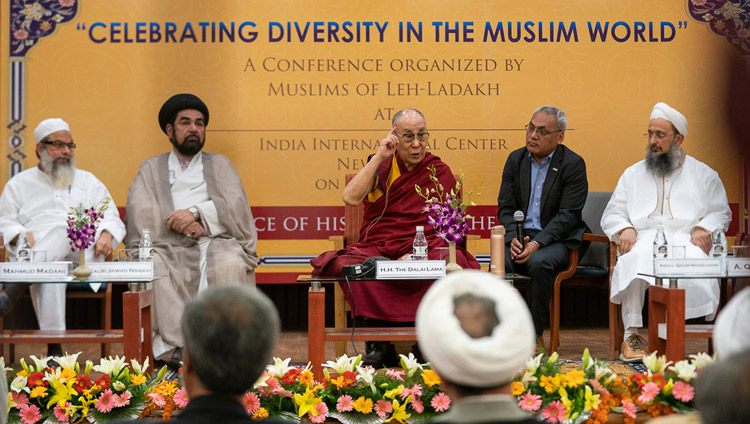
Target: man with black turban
x=199 y=218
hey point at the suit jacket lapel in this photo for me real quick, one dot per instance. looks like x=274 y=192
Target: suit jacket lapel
x=552 y=174
x=525 y=177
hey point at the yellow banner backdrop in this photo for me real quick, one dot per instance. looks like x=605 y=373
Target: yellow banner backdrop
x=301 y=92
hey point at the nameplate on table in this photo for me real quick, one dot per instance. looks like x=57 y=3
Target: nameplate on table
x=121 y=270
x=34 y=270
x=738 y=267
x=414 y=270
x=688 y=266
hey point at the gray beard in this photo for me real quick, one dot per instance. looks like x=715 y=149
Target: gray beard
x=663 y=164
x=61 y=174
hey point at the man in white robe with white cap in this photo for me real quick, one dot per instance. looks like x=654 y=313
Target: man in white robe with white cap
x=683 y=194
x=36 y=202
x=477 y=333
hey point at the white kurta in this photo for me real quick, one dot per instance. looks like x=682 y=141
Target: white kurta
x=30 y=203
x=692 y=196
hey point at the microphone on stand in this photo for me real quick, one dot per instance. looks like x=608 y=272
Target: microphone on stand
x=518 y=217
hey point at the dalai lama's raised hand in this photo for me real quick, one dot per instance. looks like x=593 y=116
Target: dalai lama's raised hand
x=103 y=246
x=388 y=145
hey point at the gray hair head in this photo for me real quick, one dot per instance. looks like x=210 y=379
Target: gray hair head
x=230 y=332
x=400 y=114
x=560 y=118
x=722 y=390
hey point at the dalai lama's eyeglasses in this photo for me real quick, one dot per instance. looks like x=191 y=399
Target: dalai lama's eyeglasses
x=541 y=132
x=423 y=136
x=57 y=144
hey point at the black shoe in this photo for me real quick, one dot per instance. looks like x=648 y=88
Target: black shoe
x=380 y=354
x=173 y=363
x=54 y=349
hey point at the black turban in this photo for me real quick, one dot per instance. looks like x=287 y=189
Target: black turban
x=177 y=103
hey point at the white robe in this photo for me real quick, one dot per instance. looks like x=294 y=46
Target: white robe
x=30 y=203
x=692 y=196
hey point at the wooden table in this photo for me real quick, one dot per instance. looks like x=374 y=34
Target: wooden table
x=318 y=334
x=666 y=305
x=136 y=321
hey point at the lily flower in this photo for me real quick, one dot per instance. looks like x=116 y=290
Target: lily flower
x=68 y=362
x=410 y=364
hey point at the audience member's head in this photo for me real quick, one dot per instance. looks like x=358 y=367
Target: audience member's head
x=722 y=390
x=475 y=330
x=230 y=333
x=732 y=329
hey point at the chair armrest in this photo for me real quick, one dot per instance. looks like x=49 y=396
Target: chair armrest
x=339 y=242
x=595 y=237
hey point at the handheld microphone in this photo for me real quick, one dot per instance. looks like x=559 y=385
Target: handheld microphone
x=518 y=217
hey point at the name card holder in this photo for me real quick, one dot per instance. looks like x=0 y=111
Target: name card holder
x=44 y=271
x=738 y=267
x=121 y=270
x=688 y=267
x=410 y=270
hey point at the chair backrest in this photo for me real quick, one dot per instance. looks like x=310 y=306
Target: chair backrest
x=597 y=254
x=353 y=216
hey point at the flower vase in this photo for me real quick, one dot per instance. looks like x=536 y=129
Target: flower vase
x=452 y=266
x=82 y=272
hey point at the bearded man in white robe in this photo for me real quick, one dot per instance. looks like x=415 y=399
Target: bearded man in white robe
x=683 y=194
x=36 y=203
x=200 y=221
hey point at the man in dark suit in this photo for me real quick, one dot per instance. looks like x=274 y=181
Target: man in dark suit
x=547 y=182
x=230 y=332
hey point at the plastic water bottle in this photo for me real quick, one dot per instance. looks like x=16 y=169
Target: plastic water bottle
x=660 y=244
x=145 y=249
x=719 y=248
x=420 y=245
x=23 y=249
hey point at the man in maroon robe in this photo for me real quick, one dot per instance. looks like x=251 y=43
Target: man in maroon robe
x=392 y=211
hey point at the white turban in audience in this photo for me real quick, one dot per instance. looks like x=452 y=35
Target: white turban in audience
x=664 y=111
x=476 y=362
x=732 y=329
x=49 y=126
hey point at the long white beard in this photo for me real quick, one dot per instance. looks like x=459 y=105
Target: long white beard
x=61 y=174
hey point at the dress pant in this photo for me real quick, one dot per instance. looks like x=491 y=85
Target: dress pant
x=542 y=267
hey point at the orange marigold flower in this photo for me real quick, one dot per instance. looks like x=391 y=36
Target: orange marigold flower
x=260 y=414
x=306 y=378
